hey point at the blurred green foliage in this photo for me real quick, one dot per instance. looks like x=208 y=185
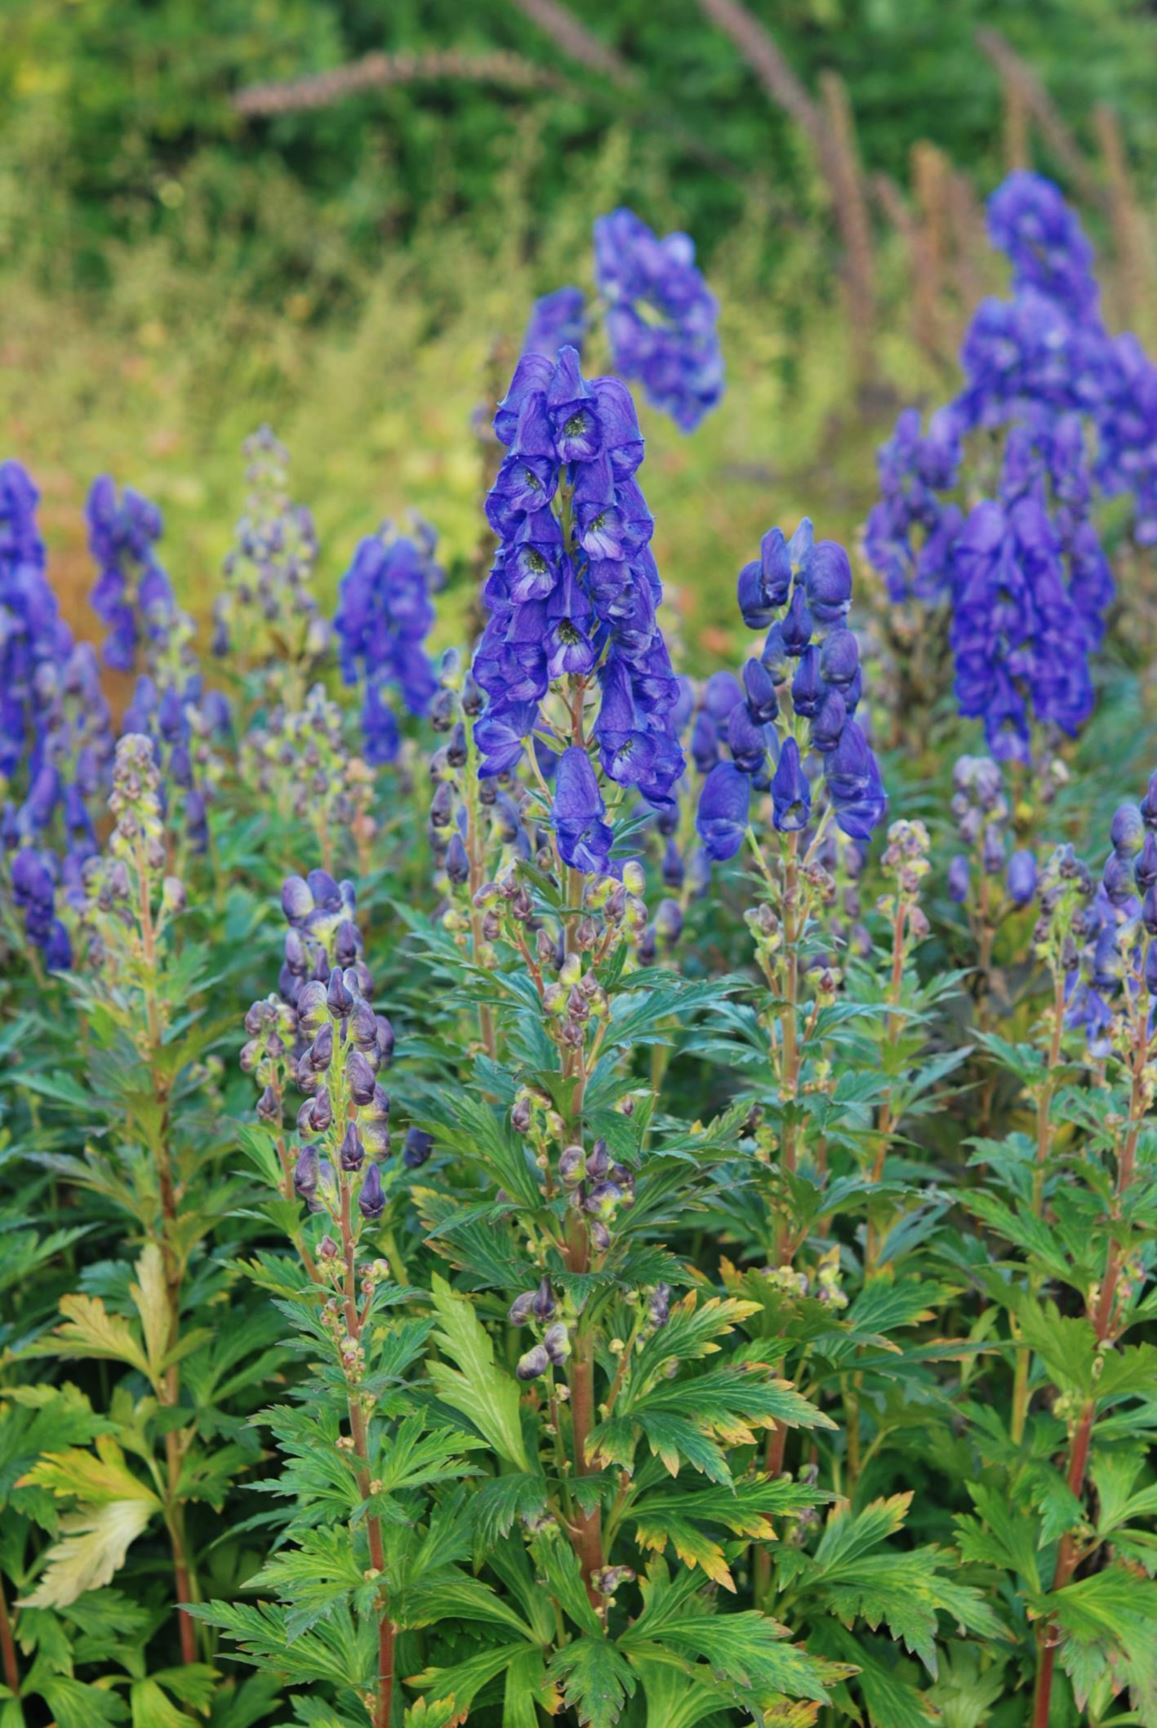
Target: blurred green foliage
x=115 y=120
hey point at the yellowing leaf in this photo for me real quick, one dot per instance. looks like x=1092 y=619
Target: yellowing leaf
x=90 y=1330
x=693 y=1547
x=95 y=1477
x=93 y=1548
x=151 y=1297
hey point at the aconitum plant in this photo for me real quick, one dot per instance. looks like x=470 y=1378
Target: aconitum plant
x=719 y=1290
x=1023 y=571
x=385 y=612
x=573 y=594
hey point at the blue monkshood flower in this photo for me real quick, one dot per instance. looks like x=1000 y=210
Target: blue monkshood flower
x=800 y=590
x=557 y=321
x=910 y=532
x=791 y=795
x=1041 y=235
x=661 y=316
x=417 y=1148
x=1021 y=878
x=34 y=893
x=384 y=616
x=722 y=817
x=573 y=592
x=584 y=838
x=959 y=875
x=34 y=640
x=133 y=595
x=1127 y=425
x=1020 y=644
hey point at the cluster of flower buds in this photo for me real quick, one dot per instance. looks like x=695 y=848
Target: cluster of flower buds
x=267 y=609
x=794 y=720
x=187 y=725
x=1116 y=974
x=823 y=1285
x=301 y=762
x=129 y=898
x=325 y=1033
x=983 y=822
x=598 y=1186
x=1064 y=889
x=905 y=861
x=539 y=1308
x=489 y=817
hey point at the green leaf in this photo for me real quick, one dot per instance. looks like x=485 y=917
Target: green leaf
x=476 y=1387
x=596 y=1681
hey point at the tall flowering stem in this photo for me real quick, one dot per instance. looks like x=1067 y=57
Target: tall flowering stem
x=323 y=1029
x=130 y=906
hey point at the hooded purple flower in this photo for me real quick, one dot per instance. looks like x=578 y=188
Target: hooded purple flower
x=384 y=616
x=661 y=316
x=584 y=838
x=721 y=820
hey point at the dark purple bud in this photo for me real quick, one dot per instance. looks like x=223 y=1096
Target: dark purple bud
x=442 y=806
x=312 y=1009
x=1145 y=869
x=371 y=1200
x=1021 y=878
x=600 y=1236
x=521 y=1309
x=1117 y=879
x=1127 y=833
x=571 y=1166
x=305 y=1173
x=347 y=944
x=520 y=1116
x=556 y=1343
x=457 y=861
x=599 y=1162
x=669 y=922
x=533 y=1363
x=542 y=1301
x=360 y=1077
x=659 y=1307
x=1149 y=909
x=1149 y=804
x=384 y=1040
x=959 y=872
x=320 y=1111
x=296 y=899
x=364 y=1026
x=337 y=996
x=269 y=1107
x=1151 y=969
x=321 y=1050
x=992 y=850
x=416 y=1148
x=325 y=891
x=353 y=1151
